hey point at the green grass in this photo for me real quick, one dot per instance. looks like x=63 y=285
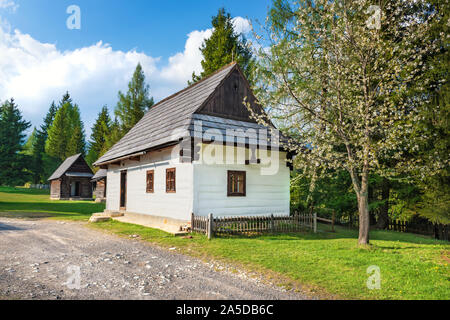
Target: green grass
x=22 y=202
x=328 y=264
x=412 y=266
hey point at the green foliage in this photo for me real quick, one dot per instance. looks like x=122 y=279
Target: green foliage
x=353 y=92
x=31 y=141
x=43 y=164
x=114 y=136
x=132 y=106
x=13 y=162
x=66 y=134
x=223 y=47
x=331 y=193
x=101 y=130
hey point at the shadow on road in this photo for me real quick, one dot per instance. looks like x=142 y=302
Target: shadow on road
x=8 y=227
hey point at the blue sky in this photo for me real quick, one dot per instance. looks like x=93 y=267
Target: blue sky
x=40 y=58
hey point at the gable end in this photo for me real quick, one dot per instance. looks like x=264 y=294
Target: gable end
x=227 y=100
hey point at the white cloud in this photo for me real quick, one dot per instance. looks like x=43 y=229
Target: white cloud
x=36 y=73
x=9 y=4
x=182 y=64
x=242 y=25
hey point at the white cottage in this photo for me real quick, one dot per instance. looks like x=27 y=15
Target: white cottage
x=199 y=151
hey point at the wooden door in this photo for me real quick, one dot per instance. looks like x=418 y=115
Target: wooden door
x=123 y=190
x=77 y=189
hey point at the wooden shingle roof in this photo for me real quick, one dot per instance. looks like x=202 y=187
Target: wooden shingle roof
x=168 y=120
x=100 y=174
x=65 y=167
x=216 y=101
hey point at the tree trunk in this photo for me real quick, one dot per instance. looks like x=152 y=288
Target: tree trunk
x=363 y=208
x=373 y=212
x=383 y=217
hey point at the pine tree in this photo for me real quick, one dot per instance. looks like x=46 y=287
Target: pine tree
x=31 y=141
x=42 y=165
x=45 y=162
x=33 y=167
x=223 y=47
x=77 y=140
x=66 y=135
x=100 y=132
x=12 y=162
x=114 y=136
x=56 y=144
x=133 y=105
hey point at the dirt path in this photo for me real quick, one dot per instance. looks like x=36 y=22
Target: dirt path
x=40 y=259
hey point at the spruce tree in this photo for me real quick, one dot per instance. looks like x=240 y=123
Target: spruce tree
x=114 y=136
x=132 y=106
x=100 y=132
x=12 y=162
x=77 y=140
x=42 y=164
x=66 y=134
x=223 y=47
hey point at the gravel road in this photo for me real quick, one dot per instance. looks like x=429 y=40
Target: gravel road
x=41 y=259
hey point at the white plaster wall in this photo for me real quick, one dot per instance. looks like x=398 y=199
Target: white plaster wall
x=113 y=188
x=201 y=186
x=265 y=194
x=177 y=205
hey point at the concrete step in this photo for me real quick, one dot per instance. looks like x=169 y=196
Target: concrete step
x=94 y=218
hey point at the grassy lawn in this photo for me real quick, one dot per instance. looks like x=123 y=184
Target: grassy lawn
x=21 y=202
x=412 y=267
x=331 y=264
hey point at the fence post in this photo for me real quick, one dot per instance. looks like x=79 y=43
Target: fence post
x=272 y=224
x=210 y=226
x=315 y=222
x=192 y=221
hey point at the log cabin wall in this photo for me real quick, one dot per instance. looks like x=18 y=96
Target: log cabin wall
x=100 y=189
x=85 y=187
x=55 y=189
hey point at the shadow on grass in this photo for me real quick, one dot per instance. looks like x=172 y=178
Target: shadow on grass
x=54 y=206
x=27 y=191
x=40 y=215
x=341 y=233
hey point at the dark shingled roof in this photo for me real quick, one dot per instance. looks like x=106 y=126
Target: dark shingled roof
x=100 y=174
x=168 y=120
x=175 y=117
x=62 y=169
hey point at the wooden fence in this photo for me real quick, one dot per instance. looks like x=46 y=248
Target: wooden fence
x=439 y=231
x=252 y=224
x=37 y=186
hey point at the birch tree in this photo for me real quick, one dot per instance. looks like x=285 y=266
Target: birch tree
x=336 y=77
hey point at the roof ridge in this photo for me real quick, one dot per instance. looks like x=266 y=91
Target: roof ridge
x=194 y=84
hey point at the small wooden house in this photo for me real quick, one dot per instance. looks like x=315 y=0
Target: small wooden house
x=99 y=185
x=159 y=172
x=72 y=180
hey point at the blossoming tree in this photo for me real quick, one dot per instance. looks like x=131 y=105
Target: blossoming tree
x=337 y=76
